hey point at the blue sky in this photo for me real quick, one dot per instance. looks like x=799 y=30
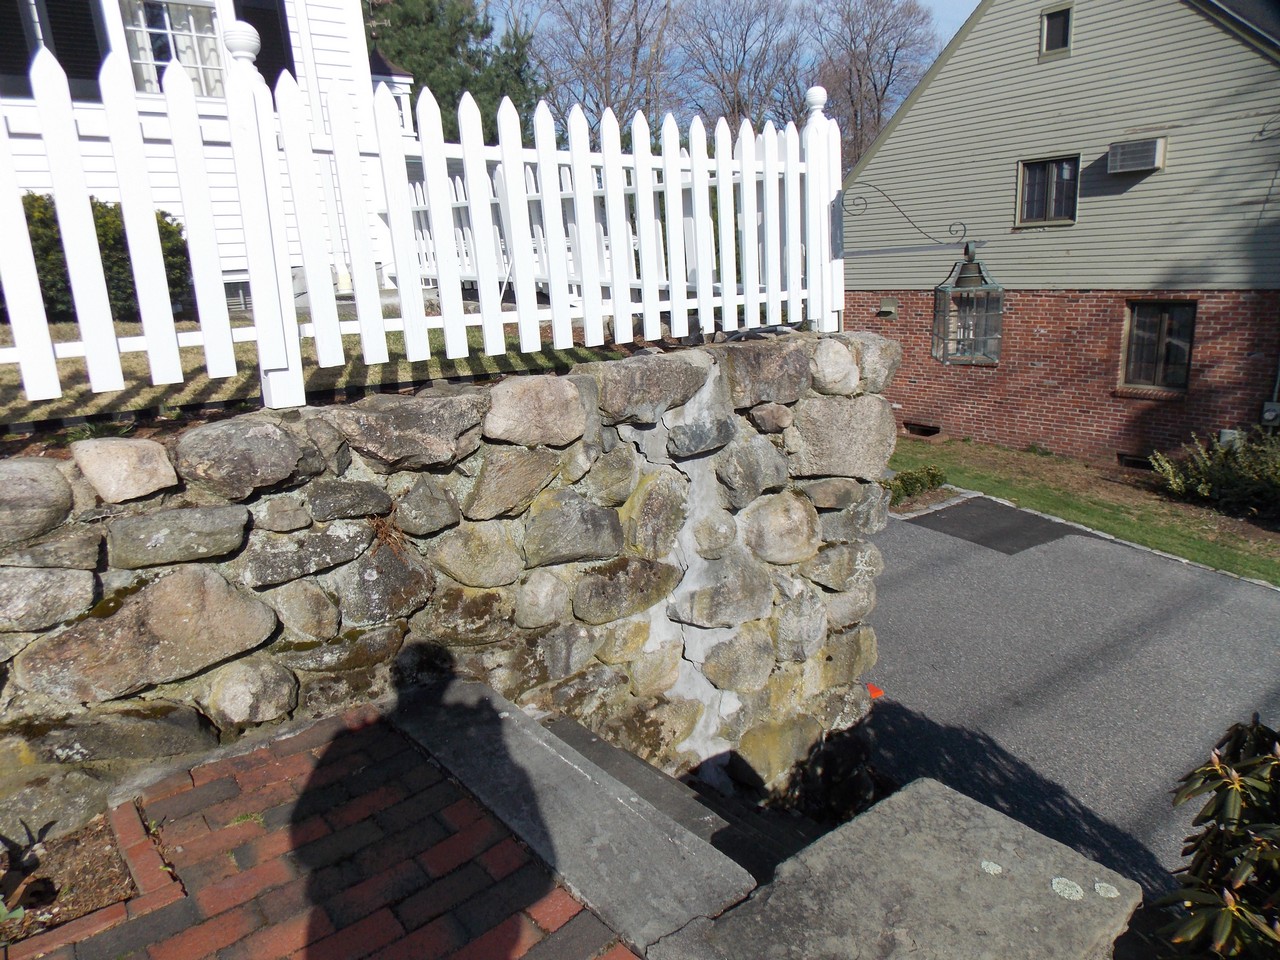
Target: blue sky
x=950 y=14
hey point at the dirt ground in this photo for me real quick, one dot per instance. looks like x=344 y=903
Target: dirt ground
x=74 y=875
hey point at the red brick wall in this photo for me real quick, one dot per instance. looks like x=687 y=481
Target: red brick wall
x=1057 y=384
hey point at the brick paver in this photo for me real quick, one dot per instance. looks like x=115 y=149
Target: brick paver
x=342 y=841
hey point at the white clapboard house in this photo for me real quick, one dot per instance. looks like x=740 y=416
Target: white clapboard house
x=320 y=42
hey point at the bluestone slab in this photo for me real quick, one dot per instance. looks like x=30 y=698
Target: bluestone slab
x=927 y=874
x=640 y=871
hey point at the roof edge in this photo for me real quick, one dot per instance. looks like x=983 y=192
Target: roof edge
x=1250 y=33
x=903 y=108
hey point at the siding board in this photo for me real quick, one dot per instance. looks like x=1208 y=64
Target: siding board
x=1208 y=220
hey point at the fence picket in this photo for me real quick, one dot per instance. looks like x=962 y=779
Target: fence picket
x=440 y=196
x=395 y=185
x=703 y=231
x=647 y=228
x=27 y=319
x=307 y=206
x=585 y=251
x=544 y=138
x=750 y=246
x=673 y=214
x=815 y=213
x=138 y=211
x=772 y=228
x=197 y=216
x=484 y=253
x=520 y=243
x=794 y=244
x=75 y=223
x=620 y=257
x=728 y=276
x=364 y=278
x=835 y=264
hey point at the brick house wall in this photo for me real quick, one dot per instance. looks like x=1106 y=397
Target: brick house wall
x=1058 y=383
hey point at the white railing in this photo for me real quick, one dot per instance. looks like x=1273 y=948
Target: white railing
x=738 y=236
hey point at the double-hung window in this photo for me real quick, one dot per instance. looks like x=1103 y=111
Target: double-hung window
x=1049 y=190
x=161 y=33
x=1158 y=352
x=72 y=29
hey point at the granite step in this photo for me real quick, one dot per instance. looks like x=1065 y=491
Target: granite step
x=756 y=838
x=645 y=874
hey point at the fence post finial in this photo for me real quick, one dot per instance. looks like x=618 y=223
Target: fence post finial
x=815 y=98
x=242 y=40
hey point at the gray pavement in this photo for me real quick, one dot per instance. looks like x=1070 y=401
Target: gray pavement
x=1064 y=679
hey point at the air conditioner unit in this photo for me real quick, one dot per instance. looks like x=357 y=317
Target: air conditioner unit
x=1135 y=156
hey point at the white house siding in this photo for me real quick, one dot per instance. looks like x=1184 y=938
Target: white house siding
x=1137 y=69
x=339 y=53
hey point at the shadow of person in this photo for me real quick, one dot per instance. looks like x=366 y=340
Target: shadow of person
x=394 y=857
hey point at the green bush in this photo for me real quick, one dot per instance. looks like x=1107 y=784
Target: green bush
x=1242 y=477
x=1231 y=888
x=51 y=261
x=911 y=483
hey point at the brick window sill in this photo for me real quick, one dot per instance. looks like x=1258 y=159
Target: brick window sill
x=1148 y=393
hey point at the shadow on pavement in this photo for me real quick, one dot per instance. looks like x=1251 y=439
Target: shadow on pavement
x=906 y=745
x=397 y=857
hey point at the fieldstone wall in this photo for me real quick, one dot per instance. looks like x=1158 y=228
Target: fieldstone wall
x=671 y=548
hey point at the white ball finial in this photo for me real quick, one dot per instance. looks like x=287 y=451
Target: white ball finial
x=815 y=98
x=242 y=40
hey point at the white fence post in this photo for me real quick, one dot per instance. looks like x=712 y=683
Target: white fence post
x=274 y=318
x=817 y=208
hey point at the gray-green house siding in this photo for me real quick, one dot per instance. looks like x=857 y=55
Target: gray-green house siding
x=1136 y=69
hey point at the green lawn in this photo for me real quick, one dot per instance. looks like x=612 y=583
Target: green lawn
x=1122 y=503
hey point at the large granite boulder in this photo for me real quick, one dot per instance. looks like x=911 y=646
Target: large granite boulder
x=34 y=498
x=621 y=587
x=346 y=499
x=386 y=582
x=878 y=358
x=640 y=389
x=272 y=558
x=37 y=599
x=411 y=433
x=478 y=554
x=250 y=691
x=175 y=536
x=781 y=528
x=535 y=411
x=173 y=628
x=724 y=592
x=71 y=548
x=426 y=508
x=764 y=371
x=841 y=437
x=121 y=469
x=562 y=527
x=748 y=467
x=236 y=457
x=509 y=479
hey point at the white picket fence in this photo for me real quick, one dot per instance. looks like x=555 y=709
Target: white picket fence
x=585 y=239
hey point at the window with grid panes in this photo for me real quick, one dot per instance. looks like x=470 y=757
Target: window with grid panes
x=1158 y=352
x=161 y=33
x=1049 y=191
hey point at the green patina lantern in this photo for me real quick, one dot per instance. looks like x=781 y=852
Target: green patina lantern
x=967 y=310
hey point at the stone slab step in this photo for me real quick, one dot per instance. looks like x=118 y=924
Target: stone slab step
x=644 y=874
x=757 y=839
x=926 y=873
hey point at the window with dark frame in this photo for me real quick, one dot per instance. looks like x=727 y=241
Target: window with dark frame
x=269 y=19
x=1049 y=190
x=1159 y=345
x=1056 y=31
x=72 y=29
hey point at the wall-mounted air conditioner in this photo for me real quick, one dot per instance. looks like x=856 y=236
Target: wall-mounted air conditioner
x=1136 y=156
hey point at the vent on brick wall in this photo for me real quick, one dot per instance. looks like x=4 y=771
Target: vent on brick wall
x=1135 y=156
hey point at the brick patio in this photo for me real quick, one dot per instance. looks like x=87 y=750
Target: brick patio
x=340 y=842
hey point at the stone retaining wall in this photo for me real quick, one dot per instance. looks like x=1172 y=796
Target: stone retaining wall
x=671 y=548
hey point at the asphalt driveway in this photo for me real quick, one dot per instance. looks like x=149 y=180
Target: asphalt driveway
x=1064 y=678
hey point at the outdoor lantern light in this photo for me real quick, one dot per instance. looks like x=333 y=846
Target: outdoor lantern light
x=967 y=309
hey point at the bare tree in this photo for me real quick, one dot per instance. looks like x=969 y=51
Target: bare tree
x=741 y=59
x=605 y=53
x=873 y=52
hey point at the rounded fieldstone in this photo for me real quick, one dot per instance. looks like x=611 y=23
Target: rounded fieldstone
x=34 y=498
x=782 y=528
x=122 y=469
